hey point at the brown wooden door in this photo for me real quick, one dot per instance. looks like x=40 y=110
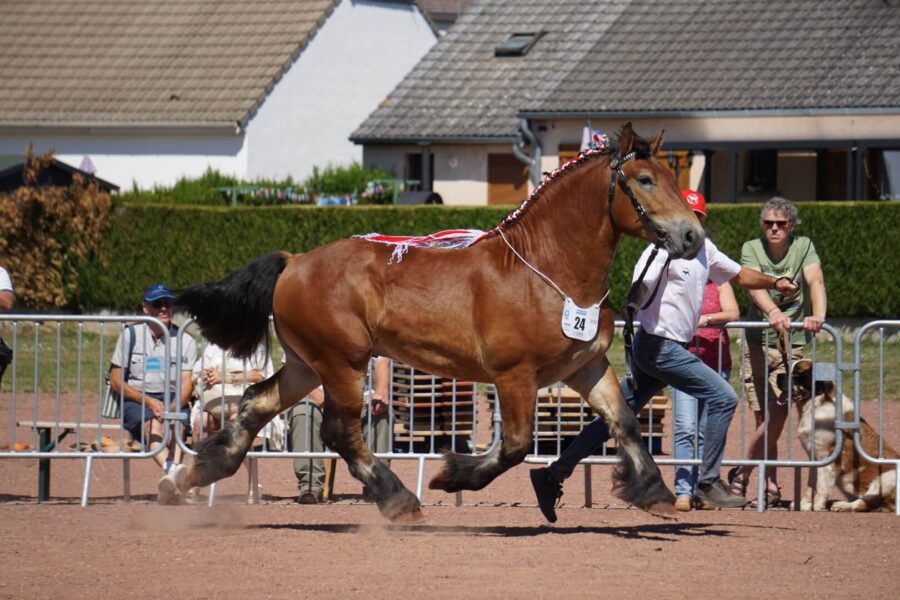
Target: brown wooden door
x=507 y=179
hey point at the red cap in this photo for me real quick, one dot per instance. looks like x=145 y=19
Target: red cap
x=695 y=200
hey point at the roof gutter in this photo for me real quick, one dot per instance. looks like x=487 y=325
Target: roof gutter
x=457 y=139
x=706 y=114
x=526 y=137
x=233 y=127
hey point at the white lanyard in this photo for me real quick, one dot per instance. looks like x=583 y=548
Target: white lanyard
x=577 y=323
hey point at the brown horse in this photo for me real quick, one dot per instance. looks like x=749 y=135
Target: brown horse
x=478 y=314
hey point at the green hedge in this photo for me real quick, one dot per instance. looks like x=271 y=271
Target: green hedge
x=183 y=245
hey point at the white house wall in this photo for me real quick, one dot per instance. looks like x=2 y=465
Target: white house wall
x=145 y=157
x=358 y=56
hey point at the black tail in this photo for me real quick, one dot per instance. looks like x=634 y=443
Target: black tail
x=234 y=313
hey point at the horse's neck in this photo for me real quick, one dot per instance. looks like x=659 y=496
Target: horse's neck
x=566 y=234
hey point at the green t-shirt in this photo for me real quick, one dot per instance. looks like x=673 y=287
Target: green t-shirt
x=801 y=253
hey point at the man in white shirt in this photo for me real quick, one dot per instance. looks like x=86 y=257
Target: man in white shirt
x=7 y=301
x=661 y=358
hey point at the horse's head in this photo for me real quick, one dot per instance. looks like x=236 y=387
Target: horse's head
x=645 y=185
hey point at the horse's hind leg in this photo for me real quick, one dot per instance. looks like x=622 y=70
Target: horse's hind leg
x=517 y=393
x=637 y=479
x=221 y=455
x=342 y=432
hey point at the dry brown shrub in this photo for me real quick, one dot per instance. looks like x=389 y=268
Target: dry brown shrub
x=47 y=232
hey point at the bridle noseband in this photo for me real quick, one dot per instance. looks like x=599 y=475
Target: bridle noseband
x=616 y=174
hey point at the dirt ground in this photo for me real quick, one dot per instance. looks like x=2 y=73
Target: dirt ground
x=496 y=544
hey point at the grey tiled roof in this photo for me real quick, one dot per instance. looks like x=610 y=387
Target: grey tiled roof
x=461 y=90
x=646 y=55
x=694 y=55
x=110 y=62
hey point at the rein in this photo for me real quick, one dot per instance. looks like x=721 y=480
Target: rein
x=631 y=309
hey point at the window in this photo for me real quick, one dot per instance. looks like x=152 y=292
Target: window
x=518 y=44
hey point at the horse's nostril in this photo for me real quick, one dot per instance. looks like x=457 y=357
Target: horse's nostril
x=689 y=238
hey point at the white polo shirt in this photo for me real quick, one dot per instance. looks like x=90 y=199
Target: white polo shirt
x=675 y=311
x=148 y=360
x=5 y=281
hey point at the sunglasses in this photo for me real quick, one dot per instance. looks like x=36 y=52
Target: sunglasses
x=158 y=304
x=781 y=224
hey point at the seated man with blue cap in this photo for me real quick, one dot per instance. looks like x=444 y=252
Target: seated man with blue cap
x=142 y=369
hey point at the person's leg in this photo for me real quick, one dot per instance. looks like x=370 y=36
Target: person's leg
x=771 y=414
x=592 y=438
x=675 y=365
x=376 y=432
x=306 y=421
x=684 y=435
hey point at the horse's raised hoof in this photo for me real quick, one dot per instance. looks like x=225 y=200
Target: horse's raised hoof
x=663 y=510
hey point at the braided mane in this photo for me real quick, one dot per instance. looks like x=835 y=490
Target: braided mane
x=640 y=146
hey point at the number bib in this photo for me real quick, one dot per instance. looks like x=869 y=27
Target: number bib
x=580 y=323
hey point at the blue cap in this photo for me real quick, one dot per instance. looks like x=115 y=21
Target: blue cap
x=157 y=291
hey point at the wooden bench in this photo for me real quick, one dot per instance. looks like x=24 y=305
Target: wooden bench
x=48 y=443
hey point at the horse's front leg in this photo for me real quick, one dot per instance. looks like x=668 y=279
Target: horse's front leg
x=342 y=432
x=517 y=392
x=637 y=478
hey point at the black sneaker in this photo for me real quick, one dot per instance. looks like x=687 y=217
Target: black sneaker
x=717 y=495
x=548 y=492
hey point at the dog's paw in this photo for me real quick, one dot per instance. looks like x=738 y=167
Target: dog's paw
x=842 y=507
x=806 y=505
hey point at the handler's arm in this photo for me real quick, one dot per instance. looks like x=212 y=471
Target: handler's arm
x=757 y=282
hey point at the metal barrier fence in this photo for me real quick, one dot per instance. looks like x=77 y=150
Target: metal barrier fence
x=444 y=424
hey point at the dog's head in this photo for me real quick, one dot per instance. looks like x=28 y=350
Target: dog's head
x=802 y=382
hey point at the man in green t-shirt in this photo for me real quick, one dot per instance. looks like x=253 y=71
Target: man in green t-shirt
x=778 y=253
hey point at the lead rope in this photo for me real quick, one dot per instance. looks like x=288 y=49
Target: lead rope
x=541 y=275
x=631 y=309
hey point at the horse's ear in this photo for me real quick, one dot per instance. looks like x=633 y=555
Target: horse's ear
x=626 y=139
x=656 y=143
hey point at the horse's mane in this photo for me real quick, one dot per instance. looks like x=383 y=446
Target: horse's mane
x=640 y=146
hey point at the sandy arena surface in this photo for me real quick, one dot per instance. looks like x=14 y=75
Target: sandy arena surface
x=495 y=545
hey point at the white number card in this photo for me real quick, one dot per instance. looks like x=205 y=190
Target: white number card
x=580 y=323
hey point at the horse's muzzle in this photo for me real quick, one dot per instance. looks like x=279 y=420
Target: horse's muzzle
x=685 y=240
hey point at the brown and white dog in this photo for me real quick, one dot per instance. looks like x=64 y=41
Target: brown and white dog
x=867 y=485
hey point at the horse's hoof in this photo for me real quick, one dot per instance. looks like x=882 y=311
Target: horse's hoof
x=416 y=516
x=437 y=482
x=663 y=510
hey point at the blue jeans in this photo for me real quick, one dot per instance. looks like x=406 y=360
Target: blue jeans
x=659 y=362
x=690 y=420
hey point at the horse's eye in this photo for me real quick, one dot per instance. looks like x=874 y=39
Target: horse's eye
x=645 y=180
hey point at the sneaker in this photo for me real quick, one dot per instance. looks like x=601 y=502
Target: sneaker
x=310 y=497
x=548 y=492
x=170 y=485
x=683 y=503
x=718 y=495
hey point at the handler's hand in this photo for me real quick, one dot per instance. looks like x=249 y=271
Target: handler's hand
x=786 y=287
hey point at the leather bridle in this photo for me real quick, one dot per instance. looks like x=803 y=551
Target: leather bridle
x=616 y=174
